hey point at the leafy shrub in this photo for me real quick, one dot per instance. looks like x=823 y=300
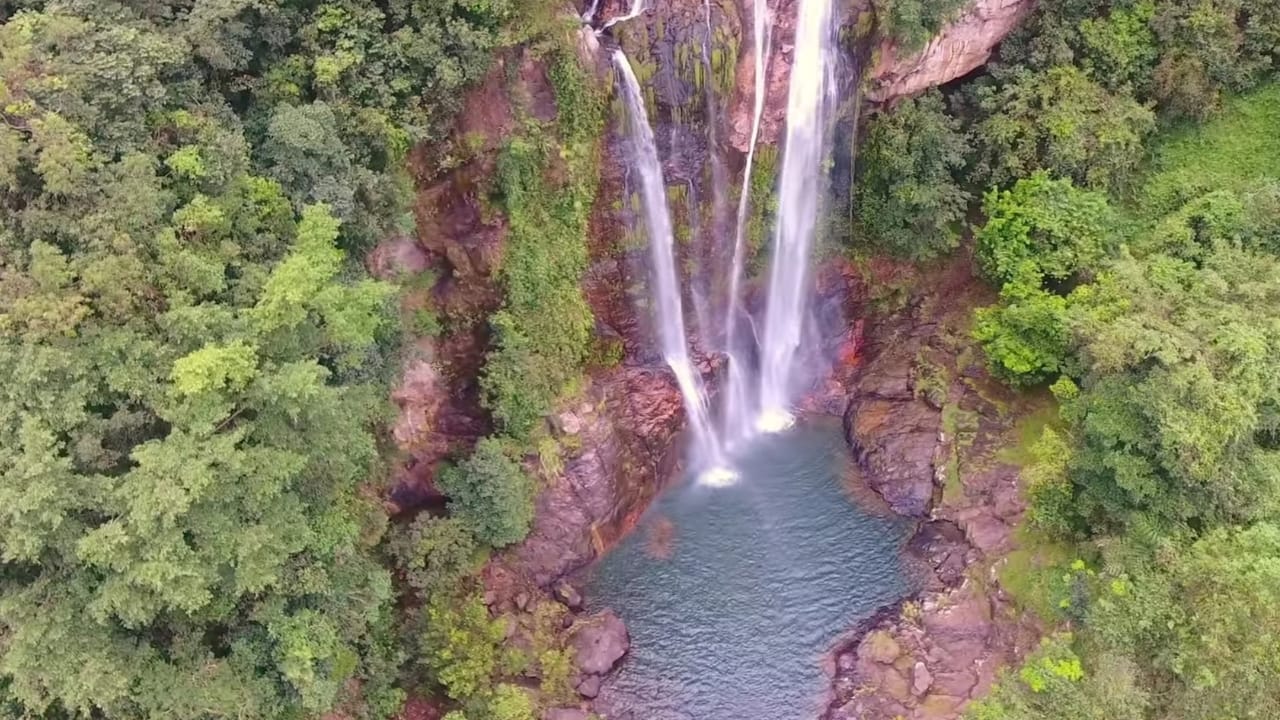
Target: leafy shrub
x=1062 y=121
x=461 y=644
x=1026 y=336
x=1043 y=227
x=435 y=553
x=491 y=494
x=908 y=197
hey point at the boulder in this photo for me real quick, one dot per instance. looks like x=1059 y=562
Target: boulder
x=921 y=679
x=962 y=46
x=568 y=595
x=599 y=643
x=589 y=686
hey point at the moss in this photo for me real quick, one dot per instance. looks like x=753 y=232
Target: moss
x=1028 y=430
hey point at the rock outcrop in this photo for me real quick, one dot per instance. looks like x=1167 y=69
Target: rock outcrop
x=963 y=45
x=599 y=643
x=625 y=433
x=926 y=422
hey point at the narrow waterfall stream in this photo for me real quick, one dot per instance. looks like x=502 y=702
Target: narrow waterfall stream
x=664 y=286
x=811 y=97
x=736 y=423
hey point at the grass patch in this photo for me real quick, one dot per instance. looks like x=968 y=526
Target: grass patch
x=1027 y=432
x=1033 y=573
x=1229 y=152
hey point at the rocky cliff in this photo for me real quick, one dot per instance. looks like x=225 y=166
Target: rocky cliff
x=963 y=45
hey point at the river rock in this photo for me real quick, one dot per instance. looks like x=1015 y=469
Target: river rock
x=568 y=595
x=599 y=643
x=895 y=438
x=921 y=679
x=589 y=686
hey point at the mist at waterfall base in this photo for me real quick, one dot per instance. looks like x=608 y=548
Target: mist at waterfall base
x=732 y=594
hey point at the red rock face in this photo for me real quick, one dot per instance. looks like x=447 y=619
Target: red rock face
x=963 y=46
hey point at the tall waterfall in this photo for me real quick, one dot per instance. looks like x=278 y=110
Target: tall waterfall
x=664 y=280
x=736 y=413
x=810 y=99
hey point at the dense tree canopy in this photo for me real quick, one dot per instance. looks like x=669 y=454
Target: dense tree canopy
x=194 y=362
x=909 y=200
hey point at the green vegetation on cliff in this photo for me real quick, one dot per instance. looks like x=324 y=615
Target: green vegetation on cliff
x=1127 y=155
x=196 y=362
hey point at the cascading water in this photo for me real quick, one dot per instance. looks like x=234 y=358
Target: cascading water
x=810 y=98
x=736 y=413
x=665 y=287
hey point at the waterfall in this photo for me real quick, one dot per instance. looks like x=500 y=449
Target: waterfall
x=637 y=7
x=664 y=280
x=735 y=416
x=810 y=98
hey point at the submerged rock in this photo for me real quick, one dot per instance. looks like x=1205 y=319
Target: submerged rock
x=599 y=642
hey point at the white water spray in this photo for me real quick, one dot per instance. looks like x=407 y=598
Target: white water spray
x=810 y=98
x=735 y=423
x=665 y=284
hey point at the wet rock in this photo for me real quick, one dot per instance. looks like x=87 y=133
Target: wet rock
x=568 y=595
x=895 y=440
x=599 y=643
x=618 y=468
x=962 y=46
x=589 y=686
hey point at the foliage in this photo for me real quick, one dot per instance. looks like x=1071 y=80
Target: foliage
x=1040 y=231
x=461 y=644
x=1231 y=152
x=1025 y=336
x=909 y=199
x=1053 y=683
x=435 y=553
x=194 y=364
x=1043 y=227
x=491 y=494
x=1174 y=414
x=912 y=22
x=1061 y=121
x=542 y=334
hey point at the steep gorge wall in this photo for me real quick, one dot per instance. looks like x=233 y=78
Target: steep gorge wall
x=619 y=431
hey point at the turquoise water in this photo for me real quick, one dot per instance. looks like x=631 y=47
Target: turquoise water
x=732 y=594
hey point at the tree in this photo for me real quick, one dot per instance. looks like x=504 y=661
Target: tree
x=1026 y=337
x=461 y=644
x=909 y=199
x=1043 y=227
x=1208 y=46
x=435 y=553
x=491 y=493
x=1178 y=401
x=1061 y=121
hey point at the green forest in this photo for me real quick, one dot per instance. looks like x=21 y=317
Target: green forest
x=194 y=412
x=1116 y=174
